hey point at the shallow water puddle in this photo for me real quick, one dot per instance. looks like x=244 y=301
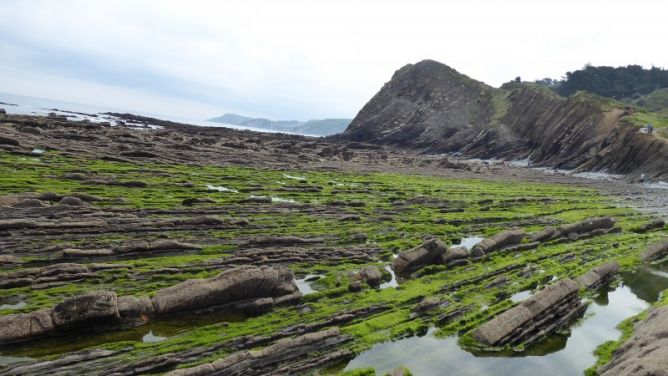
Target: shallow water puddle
x=279 y=199
x=4 y=360
x=560 y=354
x=392 y=282
x=469 y=242
x=220 y=188
x=294 y=177
x=305 y=284
x=159 y=330
x=150 y=337
x=520 y=296
x=12 y=303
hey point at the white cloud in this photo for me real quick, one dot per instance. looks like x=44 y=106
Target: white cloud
x=300 y=59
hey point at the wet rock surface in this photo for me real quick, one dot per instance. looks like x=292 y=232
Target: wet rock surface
x=420 y=256
x=249 y=288
x=129 y=230
x=646 y=352
x=544 y=312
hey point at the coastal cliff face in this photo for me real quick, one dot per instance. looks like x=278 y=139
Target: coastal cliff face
x=428 y=106
x=432 y=108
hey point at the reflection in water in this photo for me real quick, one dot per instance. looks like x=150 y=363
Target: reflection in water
x=152 y=332
x=647 y=282
x=561 y=354
x=4 y=360
x=14 y=302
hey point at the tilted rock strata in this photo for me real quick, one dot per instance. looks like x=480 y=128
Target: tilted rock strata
x=264 y=361
x=498 y=241
x=646 y=352
x=589 y=227
x=251 y=288
x=545 y=311
x=655 y=251
x=430 y=107
x=420 y=256
x=599 y=276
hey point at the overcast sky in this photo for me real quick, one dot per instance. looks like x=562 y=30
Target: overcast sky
x=302 y=59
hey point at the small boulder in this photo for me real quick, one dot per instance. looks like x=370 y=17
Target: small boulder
x=655 y=251
x=135 y=309
x=498 y=241
x=430 y=302
x=359 y=238
x=355 y=286
x=427 y=253
x=97 y=307
x=371 y=275
x=30 y=203
x=454 y=255
x=71 y=201
x=25 y=325
x=499 y=281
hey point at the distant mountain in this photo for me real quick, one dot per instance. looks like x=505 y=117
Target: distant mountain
x=324 y=127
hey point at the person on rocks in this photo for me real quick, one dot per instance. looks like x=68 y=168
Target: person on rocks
x=642 y=178
x=650 y=128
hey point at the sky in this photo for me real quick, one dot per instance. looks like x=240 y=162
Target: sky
x=302 y=59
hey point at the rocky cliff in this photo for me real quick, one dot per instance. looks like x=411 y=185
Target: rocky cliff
x=432 y=108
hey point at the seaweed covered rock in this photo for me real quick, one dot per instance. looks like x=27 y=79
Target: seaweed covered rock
x=655 y=251
x=573 y=231
x=245 y=282
x=371 y=275
x=652 y=225
x=427 y=253
x=249 y=288
x=498 y=241
x=86 y=309
x=544 y=312
x=266 y=360
x=25 y=325
x=455 y=256
x=646 y=352
x=599 y=275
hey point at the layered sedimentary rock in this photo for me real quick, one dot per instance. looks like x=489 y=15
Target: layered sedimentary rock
x=265 y=361
x=652 y=225
x=498 y=241
x=655 y=251
x=544 y=312
x=646 y=352
x=246 y=282
x=599 y=276
x=573 y=231
x=420 y=256
x=250 y=288
x=430 y=107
